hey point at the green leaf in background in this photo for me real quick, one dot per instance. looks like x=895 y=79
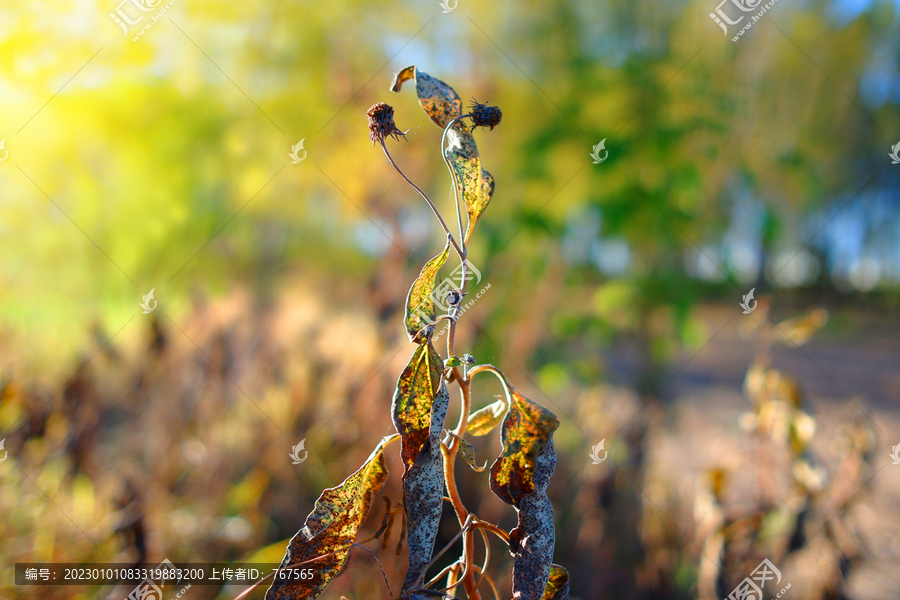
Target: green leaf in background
x=330 y=529
x=442 y=104
x=468 y=452
x=525 y=433
x=558 y=584
x=420 y=310
x=483 y=421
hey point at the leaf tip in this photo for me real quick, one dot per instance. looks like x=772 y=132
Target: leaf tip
x=401 y=76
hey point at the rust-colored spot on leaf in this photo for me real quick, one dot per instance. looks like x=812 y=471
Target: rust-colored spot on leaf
x=329 y=530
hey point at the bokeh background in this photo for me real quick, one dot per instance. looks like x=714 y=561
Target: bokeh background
x=163 y=164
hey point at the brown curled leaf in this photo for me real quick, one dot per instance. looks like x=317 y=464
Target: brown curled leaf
x=525 y=433
x=420 y=309
x=411 y=408
x=483 y=421
x=558 y=584
x=535 y=534
x=330 y=529
x=423 y=490
x=468 y=452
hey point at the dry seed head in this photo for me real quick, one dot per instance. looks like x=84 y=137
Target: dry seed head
x=484 y=115
x=381 y=123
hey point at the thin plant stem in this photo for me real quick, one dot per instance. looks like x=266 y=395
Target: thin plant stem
x=490 y=582
x=443 y=572
x=487 y=556
x=485 y=525
x=460 y=251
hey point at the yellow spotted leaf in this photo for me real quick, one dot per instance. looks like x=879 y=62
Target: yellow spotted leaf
x=437 y=99
x=414 y=396
x=418 y=410
x=442 y=104
x=525 y=433
x=324 y=542
x=483 y=421
x=558 y=584
x=420 y=309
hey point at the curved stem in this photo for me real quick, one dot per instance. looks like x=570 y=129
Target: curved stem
x=487 y=557
x=495 y=371
x=490 y=583
x=452 y=174
x=462 y=254
x=492 y=528
x=443 y=572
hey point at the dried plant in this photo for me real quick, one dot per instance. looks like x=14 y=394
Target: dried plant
x=520 y=474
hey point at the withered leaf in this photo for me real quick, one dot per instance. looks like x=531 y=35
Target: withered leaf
x=442 y=104
x=420 y=310
x=483 y=421
x=468 y=452
x=330 y=529
x=525 y=432
x=535 y=533
x=423 y=490
x=437 y=99
x=476 y=185
x=453 y=361
x=558 y=584
x=418 y=410
x=411 y=408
